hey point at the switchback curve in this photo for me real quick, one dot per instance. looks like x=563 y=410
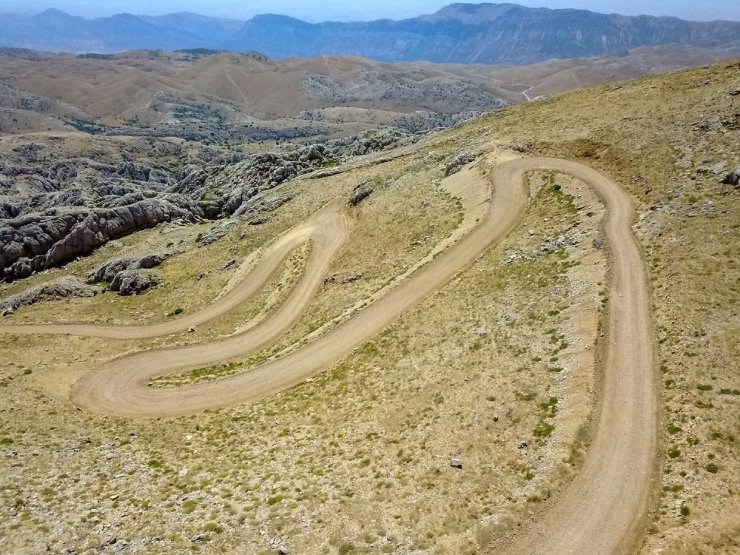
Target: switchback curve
x=600 y=511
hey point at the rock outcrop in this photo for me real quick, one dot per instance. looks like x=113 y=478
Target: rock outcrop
x=361 y=192
x=238 y=189
x=130 y=282
x=58 y=289
x=461 y=160
x=108 y=271
x=33 y=243
x=733 y=178
x=214 y=234
x=68 y=207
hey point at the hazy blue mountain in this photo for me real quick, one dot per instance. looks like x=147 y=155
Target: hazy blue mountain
x=56 y=31
x=459 y=33
x=482 y=33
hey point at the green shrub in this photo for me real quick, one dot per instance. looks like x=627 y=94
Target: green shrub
x=673 y=428
x=543 y=430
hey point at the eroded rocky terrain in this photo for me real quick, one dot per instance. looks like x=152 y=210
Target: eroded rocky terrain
x=54 y=208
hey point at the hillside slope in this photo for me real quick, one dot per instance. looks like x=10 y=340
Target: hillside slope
x=453 y=428
x=223 y=97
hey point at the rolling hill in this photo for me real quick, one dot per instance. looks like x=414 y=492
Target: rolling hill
x=220 y=96
x=459 y=33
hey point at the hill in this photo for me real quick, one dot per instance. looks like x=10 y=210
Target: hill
x=462 y=423
x=224 y=97
x=459 y=33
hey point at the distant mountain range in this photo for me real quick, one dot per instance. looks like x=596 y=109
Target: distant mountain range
x=459 y=33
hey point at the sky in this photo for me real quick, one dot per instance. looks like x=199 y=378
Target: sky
x=359 y=10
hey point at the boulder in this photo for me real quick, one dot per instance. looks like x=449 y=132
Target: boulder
x=462 y=159
x=361 y=192
x=733 y=178
x=218 y=232
x=130 y=282
x=108 y=271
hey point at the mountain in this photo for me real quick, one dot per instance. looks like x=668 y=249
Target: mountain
x=459 y=33
x=54 y=30
x=482 y=33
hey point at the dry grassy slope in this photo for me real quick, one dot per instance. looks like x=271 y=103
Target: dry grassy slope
x=113 y=90
x=670 y=140
x=135 y=86
x=357 y=460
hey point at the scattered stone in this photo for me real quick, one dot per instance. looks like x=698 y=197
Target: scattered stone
x=456 y=463
x=352 y=278
x=548 y=246
x=230 y=264
x=512 y=258
x=199 y=538
x=192 y=329
x=508 y=319
x=279 y=546
x=523 y=445
x=707 y=168
x=361 y=192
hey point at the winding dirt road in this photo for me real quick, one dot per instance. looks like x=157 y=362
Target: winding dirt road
x=599 y=512
x=326 y=232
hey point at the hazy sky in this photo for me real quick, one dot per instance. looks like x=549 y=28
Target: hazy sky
x=342 y=10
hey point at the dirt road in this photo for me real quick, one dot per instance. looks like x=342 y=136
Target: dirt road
x=602 y=510
x=599 y=512
x=326 y=231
